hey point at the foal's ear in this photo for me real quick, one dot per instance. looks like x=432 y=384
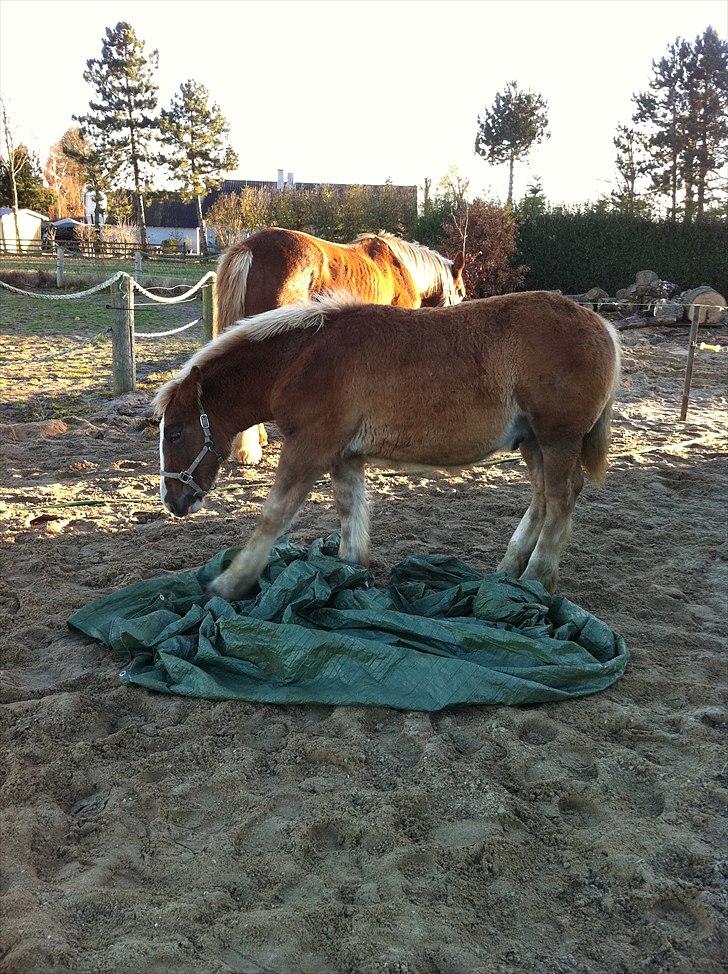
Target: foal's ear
x=190 y=388
x=457 y=265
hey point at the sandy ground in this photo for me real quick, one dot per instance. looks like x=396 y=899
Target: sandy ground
x=146 y=834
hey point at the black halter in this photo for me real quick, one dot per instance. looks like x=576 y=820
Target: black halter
x=209 y=447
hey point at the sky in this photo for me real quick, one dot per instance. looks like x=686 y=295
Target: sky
x=349 y=91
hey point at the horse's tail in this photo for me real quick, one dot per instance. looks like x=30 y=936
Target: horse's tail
x=232 y=282
x=595 y=448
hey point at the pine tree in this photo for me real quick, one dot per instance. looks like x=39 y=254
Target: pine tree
x=661 y=112
x=508 y=130
x=683 y=117
x=534 y=202
x=195 y=134
x=121 y=123
x=632 y=164
x=707 y=98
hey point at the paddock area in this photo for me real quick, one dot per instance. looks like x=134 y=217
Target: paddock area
x=172 y=836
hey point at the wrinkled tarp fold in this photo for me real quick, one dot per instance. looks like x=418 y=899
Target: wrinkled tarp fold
x=317 y=630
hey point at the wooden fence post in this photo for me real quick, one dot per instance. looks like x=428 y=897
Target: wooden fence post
x=123 y=359
x=59 y=266
x=691 y=355
x=138 y=266
x=210 y=328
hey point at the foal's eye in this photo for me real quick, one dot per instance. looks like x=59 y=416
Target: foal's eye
x=175 y=437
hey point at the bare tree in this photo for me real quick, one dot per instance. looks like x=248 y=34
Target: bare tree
x=14 y=158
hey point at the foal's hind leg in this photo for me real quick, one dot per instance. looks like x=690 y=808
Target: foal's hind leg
x=350 y=492
x=563 y=480
x=297 y=472
x=524 y=539
x=248 y=447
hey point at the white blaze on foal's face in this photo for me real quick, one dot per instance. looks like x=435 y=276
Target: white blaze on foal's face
x=196 y=504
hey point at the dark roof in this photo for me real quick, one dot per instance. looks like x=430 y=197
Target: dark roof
x=169 y=210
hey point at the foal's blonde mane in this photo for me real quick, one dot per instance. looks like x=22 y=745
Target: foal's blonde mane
x=256 y=329
x=427 y=268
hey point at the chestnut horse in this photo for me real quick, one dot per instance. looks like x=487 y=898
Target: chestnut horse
x=276 y=267
x=349 y=383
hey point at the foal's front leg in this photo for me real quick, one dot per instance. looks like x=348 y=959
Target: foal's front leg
x=350 y=493
x=298 y=470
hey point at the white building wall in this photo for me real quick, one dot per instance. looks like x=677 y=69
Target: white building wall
x=29 y=226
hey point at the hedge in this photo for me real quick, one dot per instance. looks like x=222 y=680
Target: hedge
x=575 y=251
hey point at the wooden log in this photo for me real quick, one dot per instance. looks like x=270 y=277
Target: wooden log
x=123 y=356
x=138 y=266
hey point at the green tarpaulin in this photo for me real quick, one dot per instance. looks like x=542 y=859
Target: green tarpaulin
x=318 y=631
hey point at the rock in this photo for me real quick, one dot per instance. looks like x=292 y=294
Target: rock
x=625 y=293
x=712 y=304
x=643 y=278
x=596 y=294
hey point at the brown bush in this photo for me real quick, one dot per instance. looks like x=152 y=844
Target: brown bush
x=491 y=245
x=28 y=280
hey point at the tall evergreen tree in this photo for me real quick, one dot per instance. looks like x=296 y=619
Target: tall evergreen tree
x=195 y=135
x=508 y=130
x=661 y=112
x=632 y=165
x=121 y=121
x=707 y=98
x=683 y=116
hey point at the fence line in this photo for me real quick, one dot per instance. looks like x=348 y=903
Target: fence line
x=123 y=286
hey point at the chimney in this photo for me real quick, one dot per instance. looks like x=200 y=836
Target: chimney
x=280 y=179
x=291 y=182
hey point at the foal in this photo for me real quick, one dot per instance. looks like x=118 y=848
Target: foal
x=444 y=387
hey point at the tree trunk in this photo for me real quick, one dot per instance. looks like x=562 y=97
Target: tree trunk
x=201 y=226
x=509 y=201
x=142 y=220
x=14 y=185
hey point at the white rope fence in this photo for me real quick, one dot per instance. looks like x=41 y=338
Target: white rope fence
x=123 y=332
x=75 y=296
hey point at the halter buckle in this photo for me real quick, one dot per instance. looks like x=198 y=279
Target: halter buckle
x=205 y=422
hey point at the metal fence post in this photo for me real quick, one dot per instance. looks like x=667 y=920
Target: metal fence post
x=123 y=359
x=138 y=266
x=210 y=328
x=59 y=266
x=691 y=355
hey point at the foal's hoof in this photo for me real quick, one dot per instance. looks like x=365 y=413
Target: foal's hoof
x=230 y=588
x=549 y=579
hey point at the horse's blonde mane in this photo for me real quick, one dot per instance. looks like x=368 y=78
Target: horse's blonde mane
x=427 y=267
x=256 y=329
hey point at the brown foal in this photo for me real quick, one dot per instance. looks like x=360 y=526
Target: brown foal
x=349 y=384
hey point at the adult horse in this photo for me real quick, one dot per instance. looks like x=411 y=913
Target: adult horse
x=276 y=267
x=350 y=383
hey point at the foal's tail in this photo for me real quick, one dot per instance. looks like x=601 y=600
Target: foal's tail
x=232 y=282
x=595 y=448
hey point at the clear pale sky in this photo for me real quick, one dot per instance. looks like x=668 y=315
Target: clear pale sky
x=353 y=91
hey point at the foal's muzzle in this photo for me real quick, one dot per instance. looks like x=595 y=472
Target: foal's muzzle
x=186 y=502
